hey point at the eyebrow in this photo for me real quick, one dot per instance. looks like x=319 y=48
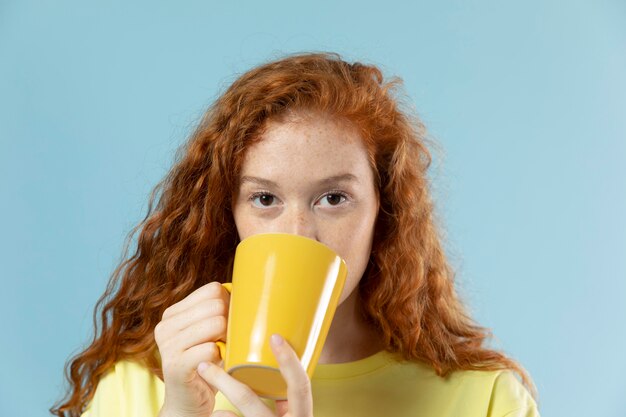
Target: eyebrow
x=325 y=181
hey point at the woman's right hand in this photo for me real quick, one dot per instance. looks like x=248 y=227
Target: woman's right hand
x=185 y=337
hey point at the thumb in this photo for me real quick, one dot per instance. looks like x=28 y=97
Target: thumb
x=282 y=406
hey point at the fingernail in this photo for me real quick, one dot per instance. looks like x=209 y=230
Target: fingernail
x=277 y=340
x=203 y=366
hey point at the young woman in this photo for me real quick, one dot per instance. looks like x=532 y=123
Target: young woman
x=314 y=146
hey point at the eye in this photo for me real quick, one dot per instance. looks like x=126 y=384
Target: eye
x=263 y=199
x=332 y=199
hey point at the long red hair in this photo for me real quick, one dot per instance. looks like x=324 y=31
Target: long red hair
x=188 y=237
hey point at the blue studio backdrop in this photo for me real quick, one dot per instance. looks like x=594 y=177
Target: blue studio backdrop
x=526 y=101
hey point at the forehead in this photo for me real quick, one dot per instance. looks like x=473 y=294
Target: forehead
x=313 y=145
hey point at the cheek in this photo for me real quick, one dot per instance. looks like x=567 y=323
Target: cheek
x=355 y=248
x=357 y=260
x=244 y=223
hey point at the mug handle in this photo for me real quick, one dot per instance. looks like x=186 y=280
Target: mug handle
x=228 y=286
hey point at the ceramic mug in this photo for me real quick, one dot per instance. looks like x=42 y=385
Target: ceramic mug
x=285 y=284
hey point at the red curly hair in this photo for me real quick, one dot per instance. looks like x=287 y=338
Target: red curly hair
x=188 y=237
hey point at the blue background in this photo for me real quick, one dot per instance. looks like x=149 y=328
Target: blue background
x=527 y=101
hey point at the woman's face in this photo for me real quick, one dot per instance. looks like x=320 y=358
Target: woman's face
x=310 y=176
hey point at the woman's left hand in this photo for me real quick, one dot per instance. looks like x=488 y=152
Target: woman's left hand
x=299 y=401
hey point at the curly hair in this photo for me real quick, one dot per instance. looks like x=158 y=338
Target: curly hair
x=188 y=237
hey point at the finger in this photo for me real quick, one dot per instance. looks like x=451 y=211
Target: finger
x=223 y=413
x=204 y=310
x=209 y=330
x=239 y=394
x=300 y=402
x=206 y=323
x=282 y=406
x=183 y=367
x=205 y=352
x=204 y=293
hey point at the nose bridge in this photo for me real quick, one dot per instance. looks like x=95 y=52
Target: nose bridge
x=299 y=220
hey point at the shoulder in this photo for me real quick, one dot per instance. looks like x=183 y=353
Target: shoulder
x=499 y=393
x=510 y=398
x=470 y=392
x=127 y=389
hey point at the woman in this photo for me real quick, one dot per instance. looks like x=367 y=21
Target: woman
x=315 y=146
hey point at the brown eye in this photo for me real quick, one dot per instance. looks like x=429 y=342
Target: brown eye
x=263 y=200
x=266 y=199
x=334 y=199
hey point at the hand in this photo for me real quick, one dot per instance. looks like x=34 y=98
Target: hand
x=185 y=337
x=299 y=399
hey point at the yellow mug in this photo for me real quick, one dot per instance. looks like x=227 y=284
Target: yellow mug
x=285 y=284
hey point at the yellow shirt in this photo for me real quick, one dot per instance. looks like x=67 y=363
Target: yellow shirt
x=379 y=385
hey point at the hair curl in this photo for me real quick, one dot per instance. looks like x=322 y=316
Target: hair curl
x=188 y=237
